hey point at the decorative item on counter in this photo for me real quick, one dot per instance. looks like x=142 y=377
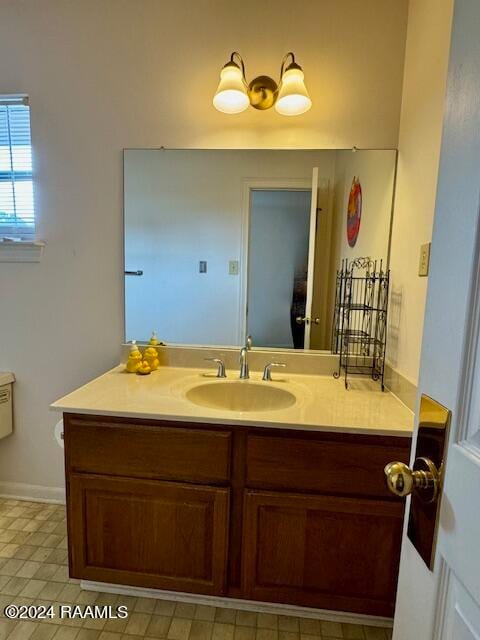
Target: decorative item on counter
x=144 y=368
x=134 y=359
x=150 y=356
x=154 y=341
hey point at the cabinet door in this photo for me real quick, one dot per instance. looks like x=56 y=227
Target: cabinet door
x=320 y=551
x=148 y=533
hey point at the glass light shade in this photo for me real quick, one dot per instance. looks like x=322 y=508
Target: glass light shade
x=231 y=95
x=293 y=98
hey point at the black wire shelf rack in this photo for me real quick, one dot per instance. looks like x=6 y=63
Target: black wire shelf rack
x=359 y=328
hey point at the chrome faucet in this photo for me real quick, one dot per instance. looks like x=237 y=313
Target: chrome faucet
x=220 y=366
x=244 y=370
x=267 y=374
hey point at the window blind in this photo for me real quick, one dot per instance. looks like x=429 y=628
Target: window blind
x=17 y=215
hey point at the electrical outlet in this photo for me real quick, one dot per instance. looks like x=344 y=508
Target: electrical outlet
x=233 y=268
x=424 y=259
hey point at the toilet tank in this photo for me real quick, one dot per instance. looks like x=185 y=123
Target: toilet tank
x=6 y=404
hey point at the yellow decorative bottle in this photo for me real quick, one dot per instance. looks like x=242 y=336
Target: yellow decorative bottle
x=150 y=355
x=134 y=358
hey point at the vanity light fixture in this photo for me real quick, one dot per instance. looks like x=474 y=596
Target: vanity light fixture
x=290 y=96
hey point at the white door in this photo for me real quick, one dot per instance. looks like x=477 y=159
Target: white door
x=445 y=604
x=311 y=258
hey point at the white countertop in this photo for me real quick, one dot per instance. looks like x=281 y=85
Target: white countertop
x=6 y=377
x=323 y=403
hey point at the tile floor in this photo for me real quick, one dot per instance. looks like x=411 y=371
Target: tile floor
x=33 y=571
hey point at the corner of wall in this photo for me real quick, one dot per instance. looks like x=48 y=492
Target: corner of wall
x=421 y=120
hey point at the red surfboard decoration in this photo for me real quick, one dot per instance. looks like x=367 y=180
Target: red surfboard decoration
x=354 y=211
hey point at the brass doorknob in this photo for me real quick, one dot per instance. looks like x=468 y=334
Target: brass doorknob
x=423 y=478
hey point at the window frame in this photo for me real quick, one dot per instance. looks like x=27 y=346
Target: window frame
x=12 y=176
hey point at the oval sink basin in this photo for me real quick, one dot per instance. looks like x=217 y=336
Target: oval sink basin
x=240 y=396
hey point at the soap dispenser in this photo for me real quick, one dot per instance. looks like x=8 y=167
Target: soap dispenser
x=134 y=358
x=154 y=341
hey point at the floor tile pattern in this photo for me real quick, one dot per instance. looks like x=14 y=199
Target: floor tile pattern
x=33 y=571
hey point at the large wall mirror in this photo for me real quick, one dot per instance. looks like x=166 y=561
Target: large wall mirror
x=220 y=244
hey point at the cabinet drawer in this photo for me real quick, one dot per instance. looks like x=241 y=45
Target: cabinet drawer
x=166 y=452
x=148 y=533
x=349 y=465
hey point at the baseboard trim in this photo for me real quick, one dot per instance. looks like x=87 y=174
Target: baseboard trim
x=32 y=492
x=234 y=603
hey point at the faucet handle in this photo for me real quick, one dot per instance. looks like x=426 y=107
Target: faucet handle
x=267 y=374
x=221 y=366
x=249 y=342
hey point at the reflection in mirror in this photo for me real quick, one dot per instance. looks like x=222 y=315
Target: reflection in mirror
x=278 y=244
x=224 y=243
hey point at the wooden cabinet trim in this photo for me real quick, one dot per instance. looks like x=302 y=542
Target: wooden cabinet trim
x=236 y=511
x=266 y=431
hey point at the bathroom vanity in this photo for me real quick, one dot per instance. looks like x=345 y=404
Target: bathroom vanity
x=284 y=506
x=271 y=488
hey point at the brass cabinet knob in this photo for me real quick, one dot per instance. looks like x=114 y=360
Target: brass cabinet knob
x=423 y=478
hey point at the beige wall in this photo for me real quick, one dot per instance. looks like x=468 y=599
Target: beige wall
x=426 y=61
x=107 y=74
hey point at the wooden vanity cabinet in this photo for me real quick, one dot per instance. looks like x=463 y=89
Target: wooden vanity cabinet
x=147 y=505
x=272 y=515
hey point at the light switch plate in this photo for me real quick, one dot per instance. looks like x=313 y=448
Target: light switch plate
x=424 y=259
x=233 y=268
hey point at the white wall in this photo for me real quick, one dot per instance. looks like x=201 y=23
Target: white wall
x=107 y=74
x=426 y=62
x=279 y=234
